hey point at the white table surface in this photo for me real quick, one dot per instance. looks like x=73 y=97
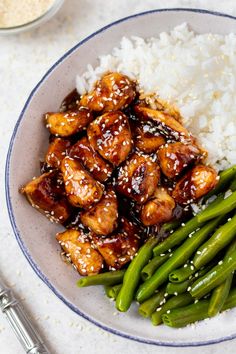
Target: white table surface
x=23 y=60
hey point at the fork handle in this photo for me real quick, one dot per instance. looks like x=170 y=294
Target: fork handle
x=20 y=323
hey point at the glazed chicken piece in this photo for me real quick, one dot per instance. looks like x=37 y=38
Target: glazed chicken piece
x=194 y=184
x=138 y=178
x=92 y=161
x=120 y=248
x=147 y=137
x=68 y=123
x=113 y=92
x=168 y=125
x=57 y=151
x=154 y=102
x=110 y=135
x=81 y=188
x=46 y=194
x=175 y=157
x=102 y=218
x=158 y=209
x=80 y=252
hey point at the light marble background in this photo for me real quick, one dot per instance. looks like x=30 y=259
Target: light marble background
x=23 y=60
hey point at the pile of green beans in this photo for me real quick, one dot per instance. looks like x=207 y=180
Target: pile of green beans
x=179 y=256
x=188 y=276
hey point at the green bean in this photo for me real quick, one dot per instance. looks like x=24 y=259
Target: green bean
x=115 y=290
x=183 y=316
x=219 y=296
x=108 y=278
x=216 y=275
x=172 y=303
x=231 y=301
x=221 y=292
x=215 y=202
x=225 y=178
x=112 y=291
x=107 y=290
x=183 y=273
x=152 y=266
x=222 y=207
x=178 y=288
x=133 y=274
x=177 y=237
x=150 y=305
x=179 y=256
x=171 y=225
x=220 y=239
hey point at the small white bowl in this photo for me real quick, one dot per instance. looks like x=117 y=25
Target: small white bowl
x=53 y=9
x=36 y=235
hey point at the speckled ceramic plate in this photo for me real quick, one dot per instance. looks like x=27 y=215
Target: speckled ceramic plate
x=35 y=234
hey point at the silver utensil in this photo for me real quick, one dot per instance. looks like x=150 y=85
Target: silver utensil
x=22 y=326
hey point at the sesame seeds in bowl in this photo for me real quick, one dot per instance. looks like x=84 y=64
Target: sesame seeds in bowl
x=21 y=16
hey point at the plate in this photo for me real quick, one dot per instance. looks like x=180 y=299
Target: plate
x=36 y=235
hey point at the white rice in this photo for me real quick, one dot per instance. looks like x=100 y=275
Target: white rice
x=197 y=73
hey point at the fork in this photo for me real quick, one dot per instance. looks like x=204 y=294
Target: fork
x=29 y=338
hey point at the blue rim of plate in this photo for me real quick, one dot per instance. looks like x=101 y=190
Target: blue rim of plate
x=10 y=209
